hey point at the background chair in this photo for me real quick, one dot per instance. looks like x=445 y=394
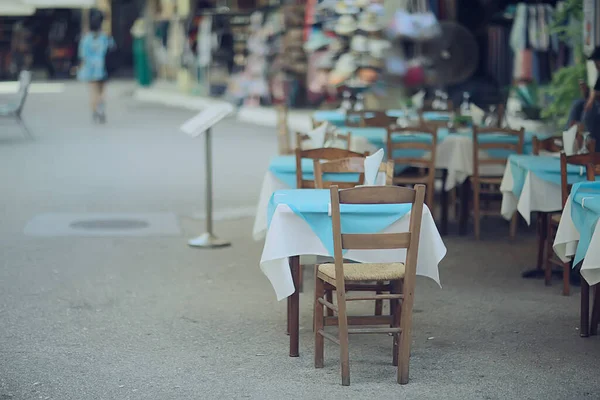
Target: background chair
x=591 y=162
x=348 y=166
x=490 y=185
x=329 y=153
x=401 y=277
x=15 y=109
x=416 y=140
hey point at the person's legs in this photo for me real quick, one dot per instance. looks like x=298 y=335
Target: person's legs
x=576 y=113
x=100 y=109
x=94 y=97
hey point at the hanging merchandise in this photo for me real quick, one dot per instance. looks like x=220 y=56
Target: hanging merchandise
x=418 y=26
x=346 y=25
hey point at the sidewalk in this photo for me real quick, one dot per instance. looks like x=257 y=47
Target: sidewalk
x=299 y=120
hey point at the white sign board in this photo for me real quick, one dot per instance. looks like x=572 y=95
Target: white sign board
x=206 y=119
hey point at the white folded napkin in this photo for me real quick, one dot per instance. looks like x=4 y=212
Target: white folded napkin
x=372 y=164
x=418 y=99
x=569 y=140
x=317 y=135
x=477 y=115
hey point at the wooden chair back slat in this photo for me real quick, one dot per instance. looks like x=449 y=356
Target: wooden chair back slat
x=354 y=241
x=591 y=162
x=552 y=144
x=345 y=138
x=377 y=195
x=354 y=165
x=478 y=132
x=329 y=153
x=417 y=144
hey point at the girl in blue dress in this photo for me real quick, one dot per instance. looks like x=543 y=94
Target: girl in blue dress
x=92 y=54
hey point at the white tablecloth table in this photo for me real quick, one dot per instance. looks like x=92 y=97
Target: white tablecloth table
x=537 y=195
x=289 y=235
x=565 y=246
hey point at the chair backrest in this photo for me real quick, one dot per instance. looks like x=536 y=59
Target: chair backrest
x=428 y=105
x=406 y=240
x=591 y=162
x=24 y=83
x=515 y=146
x=354 y=165
x=329 y=153
x=341 y=138
x=377 y=119
x=553 y=144
x=412 y=141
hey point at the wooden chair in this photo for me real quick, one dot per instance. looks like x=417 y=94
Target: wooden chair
x=354 y=166
x=426 y=172
x=400 y=275
x=329 y=153
x=369 y=118
x=348 y=166
x=283 y=138
x=492 y=183
x=591 y=163
x=342 y=138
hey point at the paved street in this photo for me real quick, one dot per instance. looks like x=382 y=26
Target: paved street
x=150 y=318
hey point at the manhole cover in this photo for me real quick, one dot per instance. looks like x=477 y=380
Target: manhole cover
x=109 y=224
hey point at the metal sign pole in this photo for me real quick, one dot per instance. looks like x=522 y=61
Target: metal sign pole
x=208 y=239
x=194 y=127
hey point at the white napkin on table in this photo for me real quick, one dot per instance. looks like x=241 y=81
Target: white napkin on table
x=477 y=115
x=317 y=135
x=569 y=140
x=372 y=164
x=417 y=99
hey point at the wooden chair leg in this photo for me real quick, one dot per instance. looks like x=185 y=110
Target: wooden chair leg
x=343 y=337
x=476 y=209
x=566 y=278
x=547 y=263
x=329 y=295
x=405 y=336
x=514 y=222
x=542 y=225
x=595 y=311
x=318 y=323
x=396 y=314
x=584 y=317
x=379 y=303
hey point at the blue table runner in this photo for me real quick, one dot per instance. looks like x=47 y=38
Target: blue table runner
x=312 y=205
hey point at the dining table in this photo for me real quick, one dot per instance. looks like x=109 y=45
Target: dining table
x=299 y=223
x=454 y=157
x=578 y=241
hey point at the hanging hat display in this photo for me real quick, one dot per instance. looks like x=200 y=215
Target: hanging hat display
x=379 y=47
x=359 y=44
x=316 y=41
x=369 y=22
x=343 y=7
x=346 y=25
x=344 y=69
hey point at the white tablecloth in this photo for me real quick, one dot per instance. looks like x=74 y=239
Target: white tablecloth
x=537 y=195
x=565 y=246
x=455 y=154
x=290 y=235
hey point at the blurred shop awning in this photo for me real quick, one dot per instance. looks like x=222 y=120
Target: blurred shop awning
x=59 y=3
x=15 y=8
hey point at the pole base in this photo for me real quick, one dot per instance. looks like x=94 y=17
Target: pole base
x=208 y=241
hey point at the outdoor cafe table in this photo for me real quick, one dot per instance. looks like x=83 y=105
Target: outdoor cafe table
x=578 y=235
x=577 y=239
x=454 y=156
x=532 y=183
x=300 y=224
